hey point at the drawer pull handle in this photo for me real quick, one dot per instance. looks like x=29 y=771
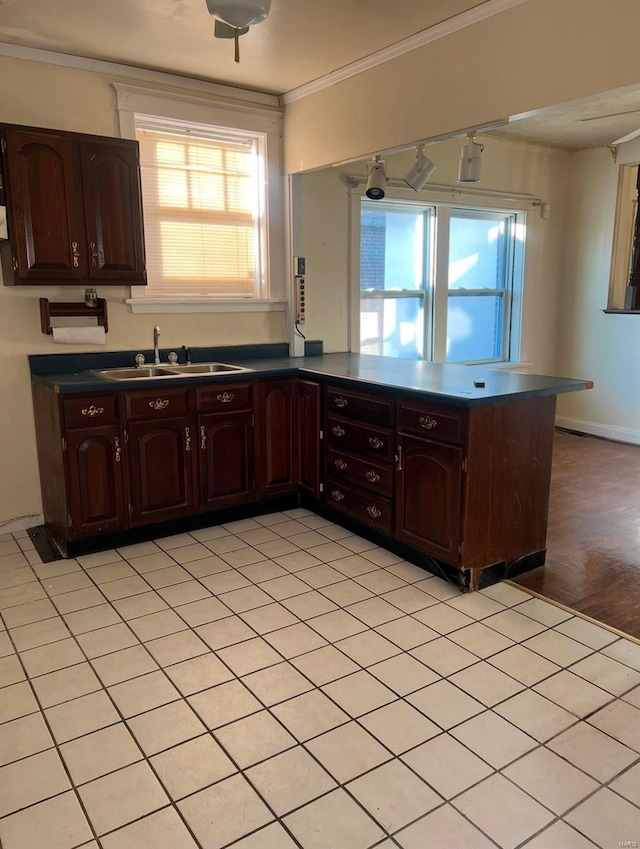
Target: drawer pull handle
x=374 y=442
x=93 y=411
x=427 y=422
x=372 y=476
x=340 y=464
x=94 y=254
x=159 y=403
x=203 y=437
x=187 y=439
x=118 y=448
x=341 y=402
x=338 y=431
x=225 y=397
x=337 y=495
x=76 y=254
x=374 y=512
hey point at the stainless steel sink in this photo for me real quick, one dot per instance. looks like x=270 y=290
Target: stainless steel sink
x=134 y=373
x=206 y=368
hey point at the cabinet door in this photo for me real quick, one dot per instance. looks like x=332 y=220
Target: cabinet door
x=95 y=480
x=113 y=210
x=276 y=461
x=226 y=460
x=45 y=224
x=308 y=427
x=428 y=497
x=161 y=468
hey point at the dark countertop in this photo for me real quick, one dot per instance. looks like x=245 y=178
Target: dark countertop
x=450 y=383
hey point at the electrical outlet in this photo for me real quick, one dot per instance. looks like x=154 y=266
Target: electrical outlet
x=300 y=299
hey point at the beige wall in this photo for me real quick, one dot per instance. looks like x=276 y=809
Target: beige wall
x=50 y=96
x=603 y=348
x=507 y=166
x=537 y=54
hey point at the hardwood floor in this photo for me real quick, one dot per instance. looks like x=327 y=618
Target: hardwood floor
x=593 y=541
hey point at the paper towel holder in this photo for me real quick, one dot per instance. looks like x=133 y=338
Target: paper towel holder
x=49 y=310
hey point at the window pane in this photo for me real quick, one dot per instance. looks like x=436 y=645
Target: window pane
x=477 y=250
x=392 y=327
x=474 y=327
x=392 y=244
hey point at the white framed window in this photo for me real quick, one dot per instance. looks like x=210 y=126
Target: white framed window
x=213 y=202
x=439 y=282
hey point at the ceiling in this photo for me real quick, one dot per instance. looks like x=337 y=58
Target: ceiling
x=300 y=41
x=597 y=122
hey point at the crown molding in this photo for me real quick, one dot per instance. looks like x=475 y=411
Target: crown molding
x=465 y=19
x=143 y=75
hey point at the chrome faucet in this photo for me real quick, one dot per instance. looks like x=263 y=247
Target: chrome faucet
x=156 y=349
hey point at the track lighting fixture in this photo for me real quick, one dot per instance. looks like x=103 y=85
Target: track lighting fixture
x=376 y=181
x=470 y=160
x=421 y=171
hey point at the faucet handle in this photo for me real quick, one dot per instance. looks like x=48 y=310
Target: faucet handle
x=173 y=358
x=139 y=360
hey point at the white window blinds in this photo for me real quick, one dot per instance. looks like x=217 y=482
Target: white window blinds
x=202 y=212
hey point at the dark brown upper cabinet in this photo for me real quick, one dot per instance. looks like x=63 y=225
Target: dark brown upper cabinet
x=74 y=208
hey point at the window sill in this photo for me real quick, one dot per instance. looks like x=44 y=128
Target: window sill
x=197 y=305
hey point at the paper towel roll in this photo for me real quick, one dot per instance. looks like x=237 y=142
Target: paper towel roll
x=79 y=335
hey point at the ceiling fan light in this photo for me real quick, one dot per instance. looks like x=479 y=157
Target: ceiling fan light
x=421 y=171
x=239 y=13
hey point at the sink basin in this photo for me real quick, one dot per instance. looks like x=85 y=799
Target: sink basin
x=206 y=368
x=134 y=373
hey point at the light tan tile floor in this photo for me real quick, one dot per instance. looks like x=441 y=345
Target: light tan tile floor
x=279 y=682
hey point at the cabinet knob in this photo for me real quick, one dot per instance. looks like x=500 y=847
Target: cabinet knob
x=372 y=476
x=427 y=422
x=340 y=464
x=159 y=403
x=374 y=442
x=92 y=411
x=203 y=437
x=75 y=253
x=374 y=512
x=225 y=397
x=116 y=443
x=94 y=254
x=337 y=495
x=340 y=401
x=336 y=430
x=187 y=439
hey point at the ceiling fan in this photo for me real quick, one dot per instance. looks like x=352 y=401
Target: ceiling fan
x=234 y=17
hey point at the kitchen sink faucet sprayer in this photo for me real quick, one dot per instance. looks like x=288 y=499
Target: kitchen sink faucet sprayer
x=156 y=349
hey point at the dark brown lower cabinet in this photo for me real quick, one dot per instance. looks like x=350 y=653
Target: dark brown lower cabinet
x=275 y=433
x=225 y=447
x=161 y=460
x=428 y=497
x=96 y=480
x=309 y=408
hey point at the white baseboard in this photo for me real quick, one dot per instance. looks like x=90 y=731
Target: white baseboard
x=618 y=434
x=21 y=523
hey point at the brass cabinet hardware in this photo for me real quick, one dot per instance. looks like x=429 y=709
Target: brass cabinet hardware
x=159 y=403
x=374 y=512
x=340 y=401
x=92 y=411
x=203 y=437
x=15 y=263
x=187 y=439
x=340 y=464
x=337 y=495
x=76 y=254
x=94 y=254
x=336 y=430
x=225 y=397
x=374 y=442
x=398 y=458
x=372 y=476
x=118 y=448
x=427 y=422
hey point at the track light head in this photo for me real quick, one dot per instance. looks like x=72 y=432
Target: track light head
x=421 y=171
x=376 y=181
x=470 y=160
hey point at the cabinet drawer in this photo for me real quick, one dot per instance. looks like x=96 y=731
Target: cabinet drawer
x=223 y=396
x=157 y=403
x=360 y=406
x=91 y=410
x=363 y=473
x=358 y=439
x=367 y=508
x=436 y=421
